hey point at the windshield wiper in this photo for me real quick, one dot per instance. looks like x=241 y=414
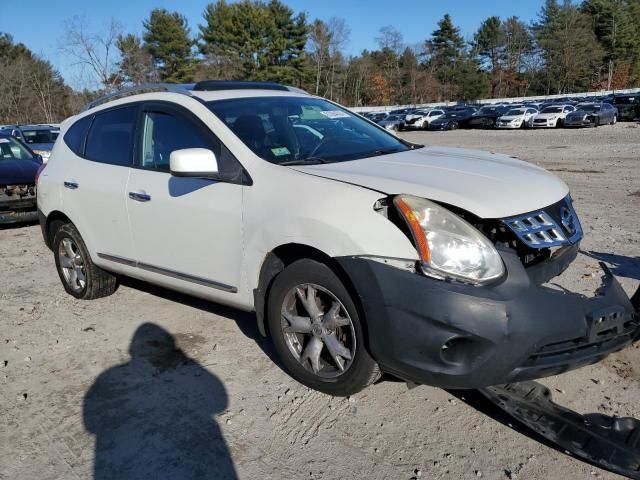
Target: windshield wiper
x=386 y=151
x=304 y=161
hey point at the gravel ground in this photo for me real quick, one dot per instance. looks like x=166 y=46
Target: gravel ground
x=94 y=380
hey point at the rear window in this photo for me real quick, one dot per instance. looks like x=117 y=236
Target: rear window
x=110 y=138
x=74 y=138
x=40 y=136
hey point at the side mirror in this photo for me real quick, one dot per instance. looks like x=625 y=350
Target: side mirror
x=38 y=158
x=193 y=162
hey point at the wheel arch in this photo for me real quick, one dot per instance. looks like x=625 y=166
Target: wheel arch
x=54 y=218
x=277 y=260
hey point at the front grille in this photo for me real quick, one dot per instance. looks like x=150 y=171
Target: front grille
x=540 y=120
x=555 y=226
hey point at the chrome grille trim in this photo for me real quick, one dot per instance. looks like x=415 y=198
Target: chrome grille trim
x=543 y=229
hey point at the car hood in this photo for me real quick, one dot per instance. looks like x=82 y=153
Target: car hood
x=486 y=184
x=512 y=117
x=581 y=113
x=15 y=172
x=548 y=115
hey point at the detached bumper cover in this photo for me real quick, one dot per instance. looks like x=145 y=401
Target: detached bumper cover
x=612 y=443
x=461 y=336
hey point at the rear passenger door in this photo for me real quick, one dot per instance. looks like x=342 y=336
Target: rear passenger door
x=95 y=179
x=187 y=232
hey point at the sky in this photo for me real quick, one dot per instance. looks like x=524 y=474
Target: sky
x=40 y=24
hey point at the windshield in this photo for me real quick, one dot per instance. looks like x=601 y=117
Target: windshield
x=487 y=110
x=12 y=149
x=303 y=130
x=589 y=108
x=552 y=110
x=514 y=113
x=40 y=136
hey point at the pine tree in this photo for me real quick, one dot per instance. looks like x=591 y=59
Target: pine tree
x=447 y=47
x=166 y=39
x=616 y=32
x=265 y=39
x=136 y=64
x=571 y=53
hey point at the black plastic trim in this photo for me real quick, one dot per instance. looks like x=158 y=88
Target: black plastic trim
x=496 y=331
x=169 y=273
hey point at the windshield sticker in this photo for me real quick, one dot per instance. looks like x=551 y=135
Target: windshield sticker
x=332 y=114
x=280 y=151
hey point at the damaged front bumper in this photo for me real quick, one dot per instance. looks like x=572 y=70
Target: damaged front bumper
x=18 y=205
x=453 y=335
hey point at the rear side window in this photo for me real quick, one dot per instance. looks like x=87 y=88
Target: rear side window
x=74 y=138
x=110 y=138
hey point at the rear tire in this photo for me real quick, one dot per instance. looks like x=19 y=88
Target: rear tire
x=615 y=120
x=317 y=332
x=80 y=277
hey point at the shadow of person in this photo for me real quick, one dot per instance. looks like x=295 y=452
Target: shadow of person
x=153 y=416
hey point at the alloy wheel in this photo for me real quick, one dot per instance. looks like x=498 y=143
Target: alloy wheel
x=318 y=330
x=72 y=264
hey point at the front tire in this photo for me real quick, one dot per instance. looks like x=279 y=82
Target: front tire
x=454 y=126
x=317 y=332
x=80 y=277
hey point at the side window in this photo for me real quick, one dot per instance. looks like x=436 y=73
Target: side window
x=74 y=138
x=163 y=133
x=110 y=138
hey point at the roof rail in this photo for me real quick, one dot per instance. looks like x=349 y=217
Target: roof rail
x=184 y=89
x=215 y=85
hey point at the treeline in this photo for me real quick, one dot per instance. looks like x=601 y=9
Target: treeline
x=30 y=89
x=570 y=47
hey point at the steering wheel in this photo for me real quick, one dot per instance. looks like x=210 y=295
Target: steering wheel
x=322 y=143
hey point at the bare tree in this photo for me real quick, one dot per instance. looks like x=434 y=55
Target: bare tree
x=339 y=33
x=319 y=41
x=95 y=52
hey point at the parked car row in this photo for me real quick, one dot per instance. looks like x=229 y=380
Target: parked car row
x=516 y=116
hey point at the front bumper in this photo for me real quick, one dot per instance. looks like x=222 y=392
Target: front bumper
x=461 y=336
x=17 y=210
x=579 y=123
x=545 y=124
x=509 y=125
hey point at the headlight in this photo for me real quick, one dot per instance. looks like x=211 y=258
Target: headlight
x=448 y=246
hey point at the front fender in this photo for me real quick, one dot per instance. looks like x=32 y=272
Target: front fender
x=335 y=218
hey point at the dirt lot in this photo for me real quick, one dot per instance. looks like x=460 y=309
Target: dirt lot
x=70 y=391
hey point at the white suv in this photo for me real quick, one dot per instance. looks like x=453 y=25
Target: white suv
x=359 y=252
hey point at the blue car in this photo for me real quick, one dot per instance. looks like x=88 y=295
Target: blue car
x=39 y=138
x=18 y=169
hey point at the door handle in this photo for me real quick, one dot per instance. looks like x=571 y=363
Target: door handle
x=139 y=196
x=71 y=185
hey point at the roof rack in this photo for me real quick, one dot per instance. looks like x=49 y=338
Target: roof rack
x=183 y=89
x=187 y=88
x=215 y=85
